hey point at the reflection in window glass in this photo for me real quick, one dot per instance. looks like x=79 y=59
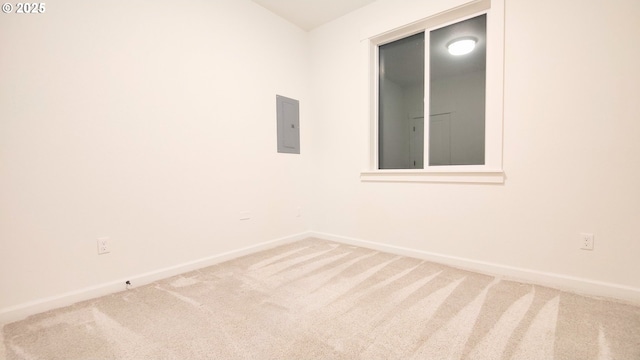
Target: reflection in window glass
x=456 y=102
x=401 y=103
x=457 y=95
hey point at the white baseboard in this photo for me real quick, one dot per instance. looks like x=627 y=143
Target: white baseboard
x=558 y=281
x=21 y=311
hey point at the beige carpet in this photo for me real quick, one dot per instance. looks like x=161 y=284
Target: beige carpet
x=320 y=300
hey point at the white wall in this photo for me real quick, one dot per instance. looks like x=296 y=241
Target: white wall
x=571 y=149
x=151 y=122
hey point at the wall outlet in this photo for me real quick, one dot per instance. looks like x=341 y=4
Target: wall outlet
x=299 y=212
x=103 y=246
x=586 y=241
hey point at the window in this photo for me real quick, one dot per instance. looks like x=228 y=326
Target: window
x=437 y=112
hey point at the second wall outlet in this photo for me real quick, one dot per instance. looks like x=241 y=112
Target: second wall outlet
x=103 y=246
x=245 y=215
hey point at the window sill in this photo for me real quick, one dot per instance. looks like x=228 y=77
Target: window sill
x=435 y=176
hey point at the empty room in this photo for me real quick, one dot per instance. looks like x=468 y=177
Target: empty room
x=320 y=179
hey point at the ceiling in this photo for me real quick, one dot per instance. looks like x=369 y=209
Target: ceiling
x=309 y=14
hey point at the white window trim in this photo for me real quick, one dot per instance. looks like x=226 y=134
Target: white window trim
x=492 y=171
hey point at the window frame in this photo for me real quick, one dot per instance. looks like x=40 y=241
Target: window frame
x=491 y=171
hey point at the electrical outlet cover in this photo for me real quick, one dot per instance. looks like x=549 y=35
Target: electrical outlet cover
x=586 y=241
x=103 y=245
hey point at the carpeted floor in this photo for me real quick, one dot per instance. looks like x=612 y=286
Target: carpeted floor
x=321 y=300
